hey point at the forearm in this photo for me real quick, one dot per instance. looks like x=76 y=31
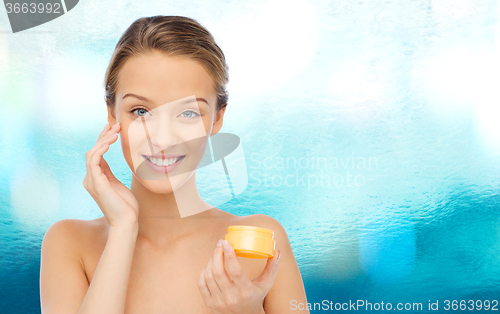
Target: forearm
x=108 y=289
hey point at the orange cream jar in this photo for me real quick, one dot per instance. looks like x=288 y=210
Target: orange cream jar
x=252 y=242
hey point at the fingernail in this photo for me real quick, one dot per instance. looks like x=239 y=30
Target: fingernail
x=107 y=124
x=226 y=245
x=112 y=135
x=114 y=126
x=220 y=242
x=279 y=255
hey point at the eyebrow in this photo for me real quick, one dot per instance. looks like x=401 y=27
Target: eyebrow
x=149 y=100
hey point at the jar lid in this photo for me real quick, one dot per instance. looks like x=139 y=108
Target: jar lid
x=248 y=228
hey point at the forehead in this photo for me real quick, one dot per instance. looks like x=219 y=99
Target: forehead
x=165 y=78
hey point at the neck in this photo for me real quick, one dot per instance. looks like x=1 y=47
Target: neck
x=164 y=217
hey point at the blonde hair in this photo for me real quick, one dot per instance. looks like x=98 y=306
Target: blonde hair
x=175 y=36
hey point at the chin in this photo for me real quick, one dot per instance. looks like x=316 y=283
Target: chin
x=165 y=186
x=158 y=187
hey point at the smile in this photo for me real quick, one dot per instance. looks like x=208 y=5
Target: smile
x=163 y=162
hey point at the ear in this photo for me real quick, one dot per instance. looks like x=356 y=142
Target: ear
x=218 y=121
x=111 y=116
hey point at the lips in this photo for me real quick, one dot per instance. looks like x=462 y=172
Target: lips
x=163 y=161
x=164 y=156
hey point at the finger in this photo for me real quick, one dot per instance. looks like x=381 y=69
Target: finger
x=92 y=172
x=109 y=137
x=103 y=138
x=111 y=129
x=210 y=280
x=107 y=171
x=107 y=127
x=266 y=279
x=219 y=271
x=234 y=267
x=96 y=171
x=96 y=161
x=202 y=285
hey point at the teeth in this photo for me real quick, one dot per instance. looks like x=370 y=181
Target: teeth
x=162 y=162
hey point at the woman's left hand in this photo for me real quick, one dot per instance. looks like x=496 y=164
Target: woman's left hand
x=239 y=295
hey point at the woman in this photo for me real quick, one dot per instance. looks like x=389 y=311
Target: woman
x=141 y=256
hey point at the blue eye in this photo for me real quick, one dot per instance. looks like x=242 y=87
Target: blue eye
x=140 y=112
x=190 y=114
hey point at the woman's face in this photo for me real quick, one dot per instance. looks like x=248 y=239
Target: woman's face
x=167 y=110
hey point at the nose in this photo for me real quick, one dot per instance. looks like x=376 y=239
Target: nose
x=161 y=134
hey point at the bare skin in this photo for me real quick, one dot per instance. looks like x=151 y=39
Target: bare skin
x=141 y=257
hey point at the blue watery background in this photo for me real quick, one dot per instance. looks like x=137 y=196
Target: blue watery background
x=370 y=131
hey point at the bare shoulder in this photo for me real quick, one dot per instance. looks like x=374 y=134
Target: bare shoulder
x=288 y=284
x=263 y=221
x=267 y=222
x=65 y=246
x=74 y=233
x=71 y=228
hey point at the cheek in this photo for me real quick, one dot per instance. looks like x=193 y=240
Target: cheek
x=207 y=122
x=125 y=143
x=197 y=146
x=124 y=136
